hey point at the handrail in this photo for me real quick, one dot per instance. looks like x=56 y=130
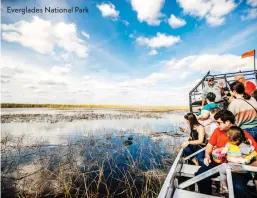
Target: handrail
x=199 y=82
x=166 y=185
x=249 y=74
x=195 y=153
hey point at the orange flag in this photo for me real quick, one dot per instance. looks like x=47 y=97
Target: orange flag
x=247 y=54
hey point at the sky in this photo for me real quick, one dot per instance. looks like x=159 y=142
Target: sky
x=124 y=52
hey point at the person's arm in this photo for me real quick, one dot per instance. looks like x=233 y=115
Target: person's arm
x=225 y=149
x=208 y=151
x=212 y=142
x=203 y=101
x=201 y=134
x=221 y=86
x=203 y=97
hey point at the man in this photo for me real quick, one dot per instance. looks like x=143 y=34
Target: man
x=225 y=119
x=249 y=86
x=213 y=87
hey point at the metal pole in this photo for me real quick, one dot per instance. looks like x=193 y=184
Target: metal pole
x=254 y=68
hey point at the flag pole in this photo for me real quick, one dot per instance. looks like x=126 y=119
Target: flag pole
x=254 y=67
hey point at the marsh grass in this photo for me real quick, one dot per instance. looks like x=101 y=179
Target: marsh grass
x=68 y=106
x=91 y=166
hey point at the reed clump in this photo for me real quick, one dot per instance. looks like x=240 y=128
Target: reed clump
x=91 y=166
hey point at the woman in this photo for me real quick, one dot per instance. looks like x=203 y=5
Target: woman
x=244 y=107
x=196 y=140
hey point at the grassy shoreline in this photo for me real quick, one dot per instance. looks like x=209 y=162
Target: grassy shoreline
x=68 y=106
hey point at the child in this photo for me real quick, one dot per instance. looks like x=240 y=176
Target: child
x=238 y=150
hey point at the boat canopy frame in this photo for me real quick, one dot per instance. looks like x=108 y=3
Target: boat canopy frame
x=197 y=90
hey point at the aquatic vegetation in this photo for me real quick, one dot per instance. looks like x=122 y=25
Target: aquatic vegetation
x=91 y=166
x=67 y=106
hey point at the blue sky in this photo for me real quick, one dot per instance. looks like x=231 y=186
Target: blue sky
x=133 y=52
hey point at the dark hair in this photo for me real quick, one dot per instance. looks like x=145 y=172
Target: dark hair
x=240 y=89
x=225 y=115
x=237 y=135
x=211 y=96
x=192 y=120
x=254 y=94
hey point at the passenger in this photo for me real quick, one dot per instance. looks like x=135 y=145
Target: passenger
x=225 y=119
x=212 y=125
x=205 y=111
x=249 y=86
x=254 y=94
x=238 y=151
x=196 y=141
x=244 y=107
x=214 y=87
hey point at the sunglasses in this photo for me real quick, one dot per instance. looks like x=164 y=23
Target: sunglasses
x=219 y=123
x=210 y=80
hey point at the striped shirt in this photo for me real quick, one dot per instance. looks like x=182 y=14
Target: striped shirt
x=246 y=116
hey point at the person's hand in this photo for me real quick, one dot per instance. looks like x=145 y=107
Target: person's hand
x=185 y=144
x=182 y=129
x=207 y=161
x=220 y=84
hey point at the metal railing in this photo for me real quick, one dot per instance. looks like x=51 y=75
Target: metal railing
x=197 y=90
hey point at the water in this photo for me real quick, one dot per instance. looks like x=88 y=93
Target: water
x=53 y=132
x=116 y=146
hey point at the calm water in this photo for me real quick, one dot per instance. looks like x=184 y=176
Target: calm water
x=55 y=131
x=115 y=145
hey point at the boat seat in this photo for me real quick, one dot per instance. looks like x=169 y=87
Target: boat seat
x=184 y=193
x=189 y=170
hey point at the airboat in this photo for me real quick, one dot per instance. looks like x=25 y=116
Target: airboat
x=181 y=176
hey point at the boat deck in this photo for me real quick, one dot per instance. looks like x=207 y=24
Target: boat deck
x=181 y=169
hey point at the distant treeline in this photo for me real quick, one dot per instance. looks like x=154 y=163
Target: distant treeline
x=64 y=106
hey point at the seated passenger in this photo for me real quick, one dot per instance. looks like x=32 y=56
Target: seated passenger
x=249 y=86
x=225 y=119
x=196 y=140
x=205 y=111
x=214 y=87
x=244 y=107
x=212 y=125
x=238 y=151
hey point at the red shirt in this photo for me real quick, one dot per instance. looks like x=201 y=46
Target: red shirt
x=249 y=87
x=219 y=139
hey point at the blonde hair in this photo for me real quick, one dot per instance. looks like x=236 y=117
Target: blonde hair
x=236 y=135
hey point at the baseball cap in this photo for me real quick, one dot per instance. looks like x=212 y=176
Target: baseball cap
x=209 y=78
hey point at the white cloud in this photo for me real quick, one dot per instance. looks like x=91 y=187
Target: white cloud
x=252 y=3
x=213 y=62
x=220 y=63
x=108 y=10
x=249 y=14
x=160 y=40
x=125 y=22
x=43 y=36
x=148 y=10
x=213 y=10
x=214 y=21
x=149 y=81
x=60 y=70
x=152 y=52
x=98 y=88
x=178 y=64
x=176 y=22
x=85 y=34
x=30 y=86
x=184 y=75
